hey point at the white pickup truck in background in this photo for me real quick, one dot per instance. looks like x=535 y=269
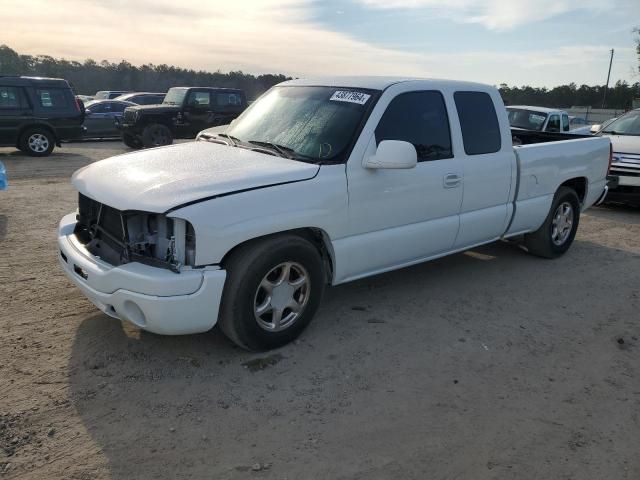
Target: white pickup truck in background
x=318 y=182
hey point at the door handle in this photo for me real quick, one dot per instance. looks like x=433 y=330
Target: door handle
x=452 y=180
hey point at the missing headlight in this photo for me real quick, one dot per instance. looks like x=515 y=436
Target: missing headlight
x=120 y=237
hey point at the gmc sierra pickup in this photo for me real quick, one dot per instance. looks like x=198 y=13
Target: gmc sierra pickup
x=318 y=182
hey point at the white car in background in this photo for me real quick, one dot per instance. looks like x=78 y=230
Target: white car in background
x=624 y=133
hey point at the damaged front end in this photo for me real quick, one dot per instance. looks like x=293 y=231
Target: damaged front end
x=120 y=237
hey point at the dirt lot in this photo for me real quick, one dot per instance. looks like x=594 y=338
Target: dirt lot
x=486 y=365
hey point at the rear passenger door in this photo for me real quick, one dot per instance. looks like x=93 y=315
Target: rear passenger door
x=488 y=167
x=14 y=111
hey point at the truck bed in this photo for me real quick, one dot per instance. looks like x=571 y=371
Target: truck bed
x=542 y=168
x=527 y=137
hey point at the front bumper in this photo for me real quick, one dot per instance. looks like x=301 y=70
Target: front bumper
x=151 y=298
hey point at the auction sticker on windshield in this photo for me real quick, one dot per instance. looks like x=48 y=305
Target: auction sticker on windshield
x=350 y=96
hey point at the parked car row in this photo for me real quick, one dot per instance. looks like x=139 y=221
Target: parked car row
x=38 y=113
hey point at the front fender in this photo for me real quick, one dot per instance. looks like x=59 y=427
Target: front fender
x=220 y=224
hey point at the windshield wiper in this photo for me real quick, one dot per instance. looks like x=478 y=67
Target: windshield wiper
x=234 y=140
x=283 y=151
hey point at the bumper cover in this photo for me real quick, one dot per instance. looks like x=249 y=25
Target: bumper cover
x=151 y=298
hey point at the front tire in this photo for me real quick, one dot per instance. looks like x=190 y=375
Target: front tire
x=156 y=135
x=272 y=292
x=556 y=234
x=37 y=142
x=131 y=141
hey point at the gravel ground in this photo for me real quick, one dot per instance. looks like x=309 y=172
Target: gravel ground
x=490 y=364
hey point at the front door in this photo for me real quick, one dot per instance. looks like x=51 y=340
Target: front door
x=198 y=112
x=14 y=111
x=399 y=217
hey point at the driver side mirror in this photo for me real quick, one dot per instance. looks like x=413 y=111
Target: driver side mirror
x=392 y=154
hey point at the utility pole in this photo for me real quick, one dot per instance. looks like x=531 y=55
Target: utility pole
x=604 y=98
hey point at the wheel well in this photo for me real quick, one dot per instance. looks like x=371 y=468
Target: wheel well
x=318 y=237
x=579 y=185
x=155 y=121
x=36 y=125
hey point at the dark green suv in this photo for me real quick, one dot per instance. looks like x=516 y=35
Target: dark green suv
x=38 y=113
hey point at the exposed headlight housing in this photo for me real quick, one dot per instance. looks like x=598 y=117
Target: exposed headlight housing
x=120 y=237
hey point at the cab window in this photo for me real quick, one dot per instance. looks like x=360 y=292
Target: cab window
x=10 y=97
x=199 y=99
x=419 y=118
x=554 y=123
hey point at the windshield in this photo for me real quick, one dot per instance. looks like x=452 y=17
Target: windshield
x=527 y=119
x=175 y=96
x=101 y=95
x=628 y=124
x=318 y=123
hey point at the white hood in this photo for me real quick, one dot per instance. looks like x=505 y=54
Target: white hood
x=625 y=144
x=159 y=179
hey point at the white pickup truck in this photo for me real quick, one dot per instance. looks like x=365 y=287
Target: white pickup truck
x=318 y=182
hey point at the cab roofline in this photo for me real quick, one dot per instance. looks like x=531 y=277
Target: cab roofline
x=375 y=82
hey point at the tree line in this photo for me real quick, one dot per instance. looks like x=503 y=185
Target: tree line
x=619 y=96
x=90 y=76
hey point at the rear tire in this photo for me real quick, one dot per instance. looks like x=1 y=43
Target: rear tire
x=272 y=291
x=131 y=141
x=37 y=142
x=156 y=135
x=556 y=234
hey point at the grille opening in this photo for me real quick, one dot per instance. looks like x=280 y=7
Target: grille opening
x=118 y=237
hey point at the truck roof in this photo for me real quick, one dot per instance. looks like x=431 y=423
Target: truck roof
x=375 y=82
x=537 y=109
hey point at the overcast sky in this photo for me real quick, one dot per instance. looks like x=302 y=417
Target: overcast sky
x=534 y=42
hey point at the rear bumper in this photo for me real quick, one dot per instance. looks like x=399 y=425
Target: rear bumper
x=151 y=298
x=624 y=189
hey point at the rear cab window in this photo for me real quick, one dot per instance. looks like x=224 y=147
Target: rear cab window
x=554 y=123
x=419 y=118
x=224 y=99
x=52 y=98
x=478 y=122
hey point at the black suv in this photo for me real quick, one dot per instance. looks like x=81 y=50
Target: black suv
x=184 y=112
x=38 y=113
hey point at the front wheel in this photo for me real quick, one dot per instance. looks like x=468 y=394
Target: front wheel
x=272 y=292
x=131 y=141
x=156 y=135
x=556 y=234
